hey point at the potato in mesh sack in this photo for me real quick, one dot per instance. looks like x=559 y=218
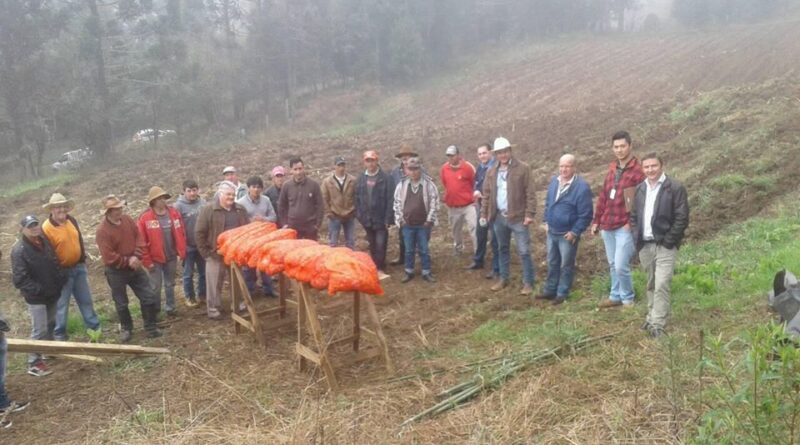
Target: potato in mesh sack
x=352 y=272
x=272 y=260
x=300 y=264
x=280 y=234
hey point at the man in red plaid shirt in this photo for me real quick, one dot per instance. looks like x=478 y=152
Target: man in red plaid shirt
x=612 y=215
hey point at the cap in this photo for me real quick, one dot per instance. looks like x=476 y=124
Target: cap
x=451 y=150
x=278 y=171
x=370 y=154
x=229 y=169
x=28 y=221
x=501 y=143
x=338 y=160
x=413 y=163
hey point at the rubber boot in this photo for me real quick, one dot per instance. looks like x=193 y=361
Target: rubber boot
x=150 y=315
x=125 y=325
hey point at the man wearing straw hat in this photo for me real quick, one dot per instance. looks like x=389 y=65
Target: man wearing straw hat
x=398 y=173
x=122 y=247
x=161 y=227
x=64 y=233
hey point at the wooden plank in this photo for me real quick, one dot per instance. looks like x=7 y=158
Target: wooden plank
x=356 y=320
x=69 y=347
x=340 y=340
x=373 y=315
x=301 y=322
x=241 y=321
x=86 y=358
x=316 y=332
x=306 y=352
x=283 y=292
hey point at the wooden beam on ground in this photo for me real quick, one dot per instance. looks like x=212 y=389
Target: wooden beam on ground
x=69 y=347
x=87 y=358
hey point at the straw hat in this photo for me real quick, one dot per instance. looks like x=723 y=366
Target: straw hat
x=155 y=193
x=406 y=150
x=112 y=202
x=57 y=199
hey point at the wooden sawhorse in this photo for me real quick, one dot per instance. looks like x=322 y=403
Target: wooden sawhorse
x=317 y=351
x=252 y=320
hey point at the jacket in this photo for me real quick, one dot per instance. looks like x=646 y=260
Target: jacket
x=521 y=196
x=670 y=214
x=153 y=236
x=35 y=271
x=210 y=223
x=378 y=212
x=300 y=204
x=339 y=203
x=430 y=194
x=118 y=243
x=458 y=184
x=273 y=193
x=611 y=214
x=189 y=211
x=573 y=210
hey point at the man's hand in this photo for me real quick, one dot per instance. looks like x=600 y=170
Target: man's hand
x=593 y=229
x=527 y=221
x=259 y=218
x=571 y=237
x=134 y=262
x=476 y=196
x=483 y=222
x=428 y=224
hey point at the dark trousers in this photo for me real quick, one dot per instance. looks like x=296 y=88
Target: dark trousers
x=139 y=282
x=307 y=233
x=377 y=239
x=483 y=234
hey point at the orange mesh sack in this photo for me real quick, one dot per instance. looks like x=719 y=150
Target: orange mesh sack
x=321 y=275
x=254 y=242
x=276 y=253
x=352 y=272
x=300 y=264
x=231 y=249
x=280 y=234
x=228 y=235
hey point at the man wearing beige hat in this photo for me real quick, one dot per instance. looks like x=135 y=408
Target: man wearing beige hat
x=161 y=227
x=64 y=234
x=122 y=247
x=229 y=174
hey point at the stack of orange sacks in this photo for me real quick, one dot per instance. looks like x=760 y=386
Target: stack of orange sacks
x=262 y=246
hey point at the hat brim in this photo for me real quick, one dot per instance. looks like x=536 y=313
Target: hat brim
x=118 y=205
x=405 y=153
x=162 y=195
x=494 y=150
x=69 y=203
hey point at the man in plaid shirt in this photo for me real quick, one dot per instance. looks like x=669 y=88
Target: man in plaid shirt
x=612 y=215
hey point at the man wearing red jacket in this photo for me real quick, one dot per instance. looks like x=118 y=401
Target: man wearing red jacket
x=458 y=176
x=612 y=215
x=161 y=227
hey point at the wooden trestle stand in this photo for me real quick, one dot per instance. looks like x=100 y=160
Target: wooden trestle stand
x=253 y=319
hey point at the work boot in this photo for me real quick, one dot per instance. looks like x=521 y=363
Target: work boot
x=500 y=285
x=526 y=290
x=408 y=277
x=474 y=266
x=125 y=336
x=428 y=277
x=125 y=322
x=605 y=304
x=491 y=275
x=150 y=316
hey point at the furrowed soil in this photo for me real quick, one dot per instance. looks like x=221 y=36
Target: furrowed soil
x=721 y=106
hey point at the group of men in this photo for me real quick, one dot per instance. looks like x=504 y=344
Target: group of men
x=638 y=208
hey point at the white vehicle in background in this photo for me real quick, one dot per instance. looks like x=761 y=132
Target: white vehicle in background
x=73 y=159
x=149 y=135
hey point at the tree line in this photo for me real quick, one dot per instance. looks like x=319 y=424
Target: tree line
x=92 y=72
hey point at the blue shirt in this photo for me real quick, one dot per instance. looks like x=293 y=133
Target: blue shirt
x=502 y=191
x=480 y=174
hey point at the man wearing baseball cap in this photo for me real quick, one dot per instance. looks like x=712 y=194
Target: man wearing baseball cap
x=457 y=175
x=277 y=175
x=229 y=174
x=64 y=234
x=122 y=248
x=39 y=278
x=161 y=227
x=339 y=198
x=374 y=198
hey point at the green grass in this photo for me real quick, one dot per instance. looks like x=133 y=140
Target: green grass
x=36 y=184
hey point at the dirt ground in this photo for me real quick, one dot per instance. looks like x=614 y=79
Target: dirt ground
x=556 y=97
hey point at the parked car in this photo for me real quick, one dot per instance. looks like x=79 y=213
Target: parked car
x=73 y=159
x=149 y=135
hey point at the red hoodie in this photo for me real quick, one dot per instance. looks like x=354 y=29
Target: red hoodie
x=458 y=184
x=153 y=237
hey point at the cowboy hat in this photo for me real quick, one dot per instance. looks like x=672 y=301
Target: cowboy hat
x=57 y=199
x=406 y=150
x=112 y=202
x=155 y=193
x=501 y=143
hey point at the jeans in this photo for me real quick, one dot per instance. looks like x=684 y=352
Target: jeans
x=457 y=216
x=349 y=227
x=522 y=238
x=482 y=234
x=192 y=260
x=560 y=265
x=164 y=273
x=77 y=285
x=250 y=279
x=619 y=250
x=416 y=240
x=658 y=263
x=139 y=282
x=216 y=271
x=43 y=323
x=4 y=400
x=377 y=239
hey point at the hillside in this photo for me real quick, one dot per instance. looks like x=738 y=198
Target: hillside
x=721 y=106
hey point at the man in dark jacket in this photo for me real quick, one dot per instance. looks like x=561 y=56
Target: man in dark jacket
x=189 y=205
x=220 y=215
x=300 y=205
x=567 y=214
x=39 y=278
x=482 y=233
x=122 y=248
x=659 y=218
x=374 y=198
x=277 y=176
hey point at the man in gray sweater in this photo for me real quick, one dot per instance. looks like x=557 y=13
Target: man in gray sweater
x=189 y=205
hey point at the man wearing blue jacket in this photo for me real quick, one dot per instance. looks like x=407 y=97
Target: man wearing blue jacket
x=567 y=214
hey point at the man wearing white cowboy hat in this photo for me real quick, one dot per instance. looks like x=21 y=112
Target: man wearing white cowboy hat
x=161 y=227
x=121 y=247
x=510 y=204
x=64 y=233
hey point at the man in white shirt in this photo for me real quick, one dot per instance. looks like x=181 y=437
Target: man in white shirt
x=659 y=217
